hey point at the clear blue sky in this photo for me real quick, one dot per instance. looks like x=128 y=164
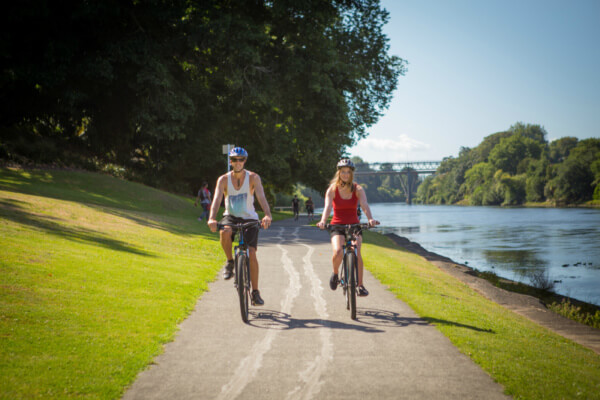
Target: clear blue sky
x=476 y=67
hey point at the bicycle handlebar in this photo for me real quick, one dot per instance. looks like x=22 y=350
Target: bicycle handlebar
x=348 y=226
x=239 y=226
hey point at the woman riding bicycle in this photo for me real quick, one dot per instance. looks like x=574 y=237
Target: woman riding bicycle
x=345 y=195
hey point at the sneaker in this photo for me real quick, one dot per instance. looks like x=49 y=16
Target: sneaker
x=228 y=272
x=256 y=300
x=362 y=291
x=333 y=281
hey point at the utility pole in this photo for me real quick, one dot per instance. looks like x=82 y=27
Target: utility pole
x=226 y=149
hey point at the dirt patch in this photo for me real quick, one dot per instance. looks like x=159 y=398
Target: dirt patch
x=528 y=306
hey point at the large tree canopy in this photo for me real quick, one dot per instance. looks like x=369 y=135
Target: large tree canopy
x=159 y=86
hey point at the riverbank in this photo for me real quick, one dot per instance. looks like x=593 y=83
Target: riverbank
x=530 y=307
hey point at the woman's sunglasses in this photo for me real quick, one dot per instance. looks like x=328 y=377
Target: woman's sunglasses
x=236 y=159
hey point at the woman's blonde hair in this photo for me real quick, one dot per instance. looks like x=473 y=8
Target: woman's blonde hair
x=337 y=180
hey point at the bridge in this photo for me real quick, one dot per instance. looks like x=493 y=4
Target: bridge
x=408 y=171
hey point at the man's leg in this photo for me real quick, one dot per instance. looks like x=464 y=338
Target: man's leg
x=256 y=299
x=226 y=243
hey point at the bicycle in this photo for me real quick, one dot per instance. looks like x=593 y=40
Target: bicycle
x=349 y=270
x=242 y=265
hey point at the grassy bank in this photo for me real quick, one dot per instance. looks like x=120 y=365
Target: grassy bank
x=95 y=274
x=529 y=361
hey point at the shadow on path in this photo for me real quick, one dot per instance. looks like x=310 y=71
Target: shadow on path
x=367 y=319
x=270 y=319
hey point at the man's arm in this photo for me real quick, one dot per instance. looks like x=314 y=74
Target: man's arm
x=259 y=192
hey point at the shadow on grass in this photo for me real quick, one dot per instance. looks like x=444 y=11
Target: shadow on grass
x=141 y=204
x=15 y=211
x=269 y=319
x=436 y=321
x=393 y=319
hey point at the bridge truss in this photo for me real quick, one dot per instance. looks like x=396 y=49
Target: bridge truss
x=408 y=171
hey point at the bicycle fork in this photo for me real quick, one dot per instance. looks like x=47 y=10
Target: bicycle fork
x=246 y=272
x=344 y=276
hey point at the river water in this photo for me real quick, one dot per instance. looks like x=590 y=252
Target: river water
x=515 y=243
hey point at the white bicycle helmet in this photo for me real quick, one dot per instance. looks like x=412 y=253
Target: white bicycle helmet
x=345 y=162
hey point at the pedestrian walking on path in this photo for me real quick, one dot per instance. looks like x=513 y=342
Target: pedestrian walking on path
x=203 y=197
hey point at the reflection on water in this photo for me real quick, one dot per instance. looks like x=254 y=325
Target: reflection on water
x=512 y=242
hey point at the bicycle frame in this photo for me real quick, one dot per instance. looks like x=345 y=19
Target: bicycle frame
x=349 y=273
x=242 y=264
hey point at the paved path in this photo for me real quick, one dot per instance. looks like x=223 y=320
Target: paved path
x=302 y=343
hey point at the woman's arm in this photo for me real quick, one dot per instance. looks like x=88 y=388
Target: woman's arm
x=362 y=199
x=327 y=207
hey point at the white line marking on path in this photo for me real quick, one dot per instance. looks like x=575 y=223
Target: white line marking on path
x=310 y=377
x=249 y=366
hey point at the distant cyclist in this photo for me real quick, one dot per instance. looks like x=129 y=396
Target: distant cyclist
x=310 y=208
x=239 y=187
x=296 y=207
x=344 y=195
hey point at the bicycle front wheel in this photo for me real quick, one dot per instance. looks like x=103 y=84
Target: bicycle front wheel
x=241 y=277
x=352 y=281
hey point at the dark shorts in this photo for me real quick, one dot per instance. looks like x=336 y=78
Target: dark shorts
x=250 y=235
x=340 y=231
x=309 y=209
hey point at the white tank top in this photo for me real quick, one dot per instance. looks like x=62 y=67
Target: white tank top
x=240 y=203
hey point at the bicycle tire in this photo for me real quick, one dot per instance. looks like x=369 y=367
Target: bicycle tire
x=352 y=271
x=240 y=276
x=344 y=282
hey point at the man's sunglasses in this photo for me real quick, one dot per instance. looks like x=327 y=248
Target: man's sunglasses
x=236 y=159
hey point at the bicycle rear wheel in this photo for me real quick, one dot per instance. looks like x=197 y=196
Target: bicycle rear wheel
x=241 y=261
x=352 y=273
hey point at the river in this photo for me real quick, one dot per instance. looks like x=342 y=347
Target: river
x=563 y=243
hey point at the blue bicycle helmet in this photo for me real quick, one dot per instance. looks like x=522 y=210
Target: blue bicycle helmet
x=238 y=152
x=345 y=162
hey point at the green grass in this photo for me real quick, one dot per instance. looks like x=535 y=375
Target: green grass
x=585 y=313
x=95 y=275
x=531 y=362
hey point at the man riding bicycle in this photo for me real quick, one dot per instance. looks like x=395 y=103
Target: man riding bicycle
x=239 y=187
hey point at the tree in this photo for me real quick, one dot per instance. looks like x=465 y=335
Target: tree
x=507 y=154
x=575 y=177
x=532 y=131
x=560 y=148
x=159 y=86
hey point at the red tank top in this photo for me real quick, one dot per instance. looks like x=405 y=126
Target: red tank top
x=344 y=211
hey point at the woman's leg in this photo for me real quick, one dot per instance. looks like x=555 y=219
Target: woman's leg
x=337 y=245
x=360 y=260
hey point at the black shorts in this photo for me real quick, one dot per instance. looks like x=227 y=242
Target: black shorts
x=250 y=235
x=309 y=209
x=340 y=230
